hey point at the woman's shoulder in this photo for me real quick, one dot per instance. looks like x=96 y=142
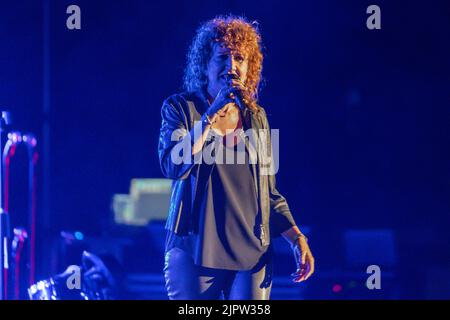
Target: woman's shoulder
x=184 y=105
x=178 y=97
x=184 y=98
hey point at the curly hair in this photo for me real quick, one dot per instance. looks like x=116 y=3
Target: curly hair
x=237 y=34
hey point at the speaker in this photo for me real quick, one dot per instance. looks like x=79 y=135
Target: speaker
x=148 y=200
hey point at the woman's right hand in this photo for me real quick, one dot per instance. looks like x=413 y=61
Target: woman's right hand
x=223 y=100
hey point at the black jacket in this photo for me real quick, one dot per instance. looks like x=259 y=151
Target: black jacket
x=180 y=111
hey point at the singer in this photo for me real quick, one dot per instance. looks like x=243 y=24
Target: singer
x=224 y=214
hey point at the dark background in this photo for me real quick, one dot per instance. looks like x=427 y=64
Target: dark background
x=363 y=114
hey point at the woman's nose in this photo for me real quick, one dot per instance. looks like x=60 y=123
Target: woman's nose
x=231 y=64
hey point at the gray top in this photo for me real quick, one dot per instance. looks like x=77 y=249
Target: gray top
x=229 y=215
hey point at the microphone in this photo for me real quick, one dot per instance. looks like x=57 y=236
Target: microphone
x=238 y=99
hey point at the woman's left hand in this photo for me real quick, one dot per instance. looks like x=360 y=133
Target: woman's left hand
x=304 y=260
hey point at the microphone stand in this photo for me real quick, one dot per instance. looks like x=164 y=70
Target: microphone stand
x=4 y=218
x=30 y=140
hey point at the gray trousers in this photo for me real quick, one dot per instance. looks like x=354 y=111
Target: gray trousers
x=187 y=281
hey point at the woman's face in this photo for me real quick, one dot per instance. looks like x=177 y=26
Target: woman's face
x=223 y=63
